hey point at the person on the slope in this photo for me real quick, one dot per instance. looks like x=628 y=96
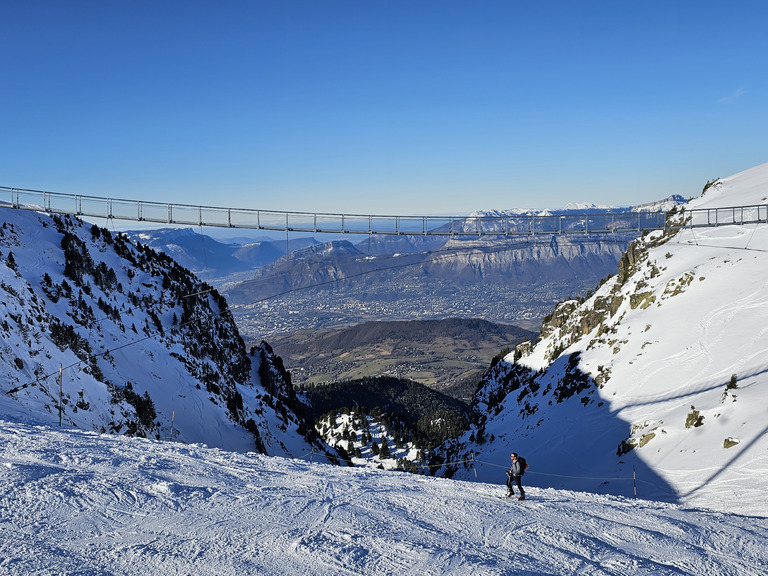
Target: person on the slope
x=515 y=475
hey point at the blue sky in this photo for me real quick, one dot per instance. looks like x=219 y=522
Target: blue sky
x=396 y=107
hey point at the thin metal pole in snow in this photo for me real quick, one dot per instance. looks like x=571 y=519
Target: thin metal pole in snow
x=173 y=417
x=61 y=378
x=634 y=480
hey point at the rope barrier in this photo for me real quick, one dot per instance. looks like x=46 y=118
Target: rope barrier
x=475 y=461
x=534 y=472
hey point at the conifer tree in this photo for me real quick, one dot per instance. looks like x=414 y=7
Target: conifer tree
x=384 y=449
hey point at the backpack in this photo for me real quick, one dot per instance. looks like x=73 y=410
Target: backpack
x=523 y=464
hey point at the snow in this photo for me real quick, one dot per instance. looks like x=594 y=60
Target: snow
x=691 y=316
x=152 y=361
x=746 y=188
x=74 y=502
x=372 y=427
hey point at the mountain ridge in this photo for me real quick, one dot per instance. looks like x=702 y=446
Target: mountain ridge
x=659 y=375
x=134 y=341
x=514 y=277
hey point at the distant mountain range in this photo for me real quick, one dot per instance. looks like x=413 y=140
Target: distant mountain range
x=337 y=283
x=211 y=258
x=207 y=256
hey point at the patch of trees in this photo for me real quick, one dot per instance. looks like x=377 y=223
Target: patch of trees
x=427 y=416
x=78 y=263
x=10 y=261
x=276 y=380
x=65 y=336
x=142 y=404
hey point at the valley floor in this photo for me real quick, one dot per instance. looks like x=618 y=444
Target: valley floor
x=82 y=503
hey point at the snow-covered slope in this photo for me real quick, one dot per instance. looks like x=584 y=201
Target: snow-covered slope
x=135 y=342
x=80 y=503
x=658 y=381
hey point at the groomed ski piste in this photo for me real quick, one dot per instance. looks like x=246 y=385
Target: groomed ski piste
x=76 y=502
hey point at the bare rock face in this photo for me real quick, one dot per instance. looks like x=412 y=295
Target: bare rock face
x=511 y=280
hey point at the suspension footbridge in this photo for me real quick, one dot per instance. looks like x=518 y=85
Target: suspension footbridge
x=524 y=224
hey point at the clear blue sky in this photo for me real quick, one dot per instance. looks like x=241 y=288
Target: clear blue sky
x=393 y=107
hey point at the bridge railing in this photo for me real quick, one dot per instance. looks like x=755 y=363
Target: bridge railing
x=508 y=225
x=729 y=215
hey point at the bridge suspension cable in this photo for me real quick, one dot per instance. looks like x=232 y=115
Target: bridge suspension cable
x=587 y=222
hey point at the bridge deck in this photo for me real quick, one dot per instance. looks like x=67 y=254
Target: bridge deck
x=588 y=222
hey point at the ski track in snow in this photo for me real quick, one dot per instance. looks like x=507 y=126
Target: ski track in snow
x=81 y=503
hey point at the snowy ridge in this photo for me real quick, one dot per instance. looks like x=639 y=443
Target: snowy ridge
x=576 y=208
x=145 y=348
x=661 y=374
x=81 y=503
